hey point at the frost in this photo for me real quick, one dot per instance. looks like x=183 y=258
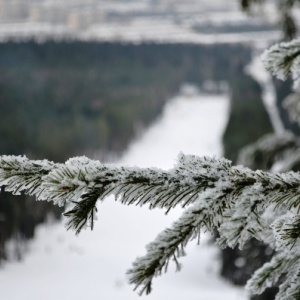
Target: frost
x=283 y=59
x=237 y=201
x=269 y=149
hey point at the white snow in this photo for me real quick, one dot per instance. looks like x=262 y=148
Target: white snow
x=60 y=265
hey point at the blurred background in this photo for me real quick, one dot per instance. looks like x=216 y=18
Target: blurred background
x=135 y=82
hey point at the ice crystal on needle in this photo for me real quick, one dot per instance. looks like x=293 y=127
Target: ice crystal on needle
x=238 y=202
x=283 y=59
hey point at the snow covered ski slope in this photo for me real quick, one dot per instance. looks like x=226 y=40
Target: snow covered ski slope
x=61 y=266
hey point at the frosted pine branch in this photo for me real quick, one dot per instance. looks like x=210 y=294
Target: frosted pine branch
x=287 y=231
x=290 y=288
x=268 y=150
x=19 y=174
x=283 y=59
x=238 y=202
x=270 y=273
x=79 y=180
x=205 y=214
x=168 y=245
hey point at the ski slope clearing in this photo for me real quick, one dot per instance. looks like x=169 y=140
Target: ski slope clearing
x=62 y=266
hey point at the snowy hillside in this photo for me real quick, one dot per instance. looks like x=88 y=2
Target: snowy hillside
x=60 y=265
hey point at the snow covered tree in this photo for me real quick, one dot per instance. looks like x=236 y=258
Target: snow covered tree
x=234 y=200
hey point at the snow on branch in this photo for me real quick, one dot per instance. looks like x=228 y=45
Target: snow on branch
x=238 y=202
x=272 y=271
x=79 y=180
x=268 y=150
x=81 y=183
x=18 y=174
x=283 y=59
x=168 y=245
